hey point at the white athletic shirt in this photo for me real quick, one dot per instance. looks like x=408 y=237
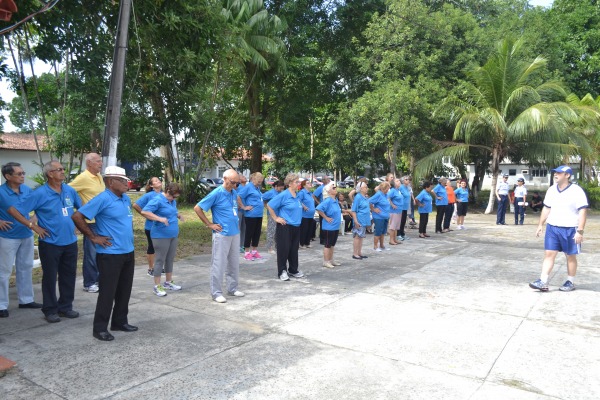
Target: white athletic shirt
x=520 y=191
x=565 y=205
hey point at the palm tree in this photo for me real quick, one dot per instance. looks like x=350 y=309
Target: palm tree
x=502 y=113
x=588 y=110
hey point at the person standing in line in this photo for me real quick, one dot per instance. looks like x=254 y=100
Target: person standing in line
x=396 y=203
x=462 y=198
x=331 y=212
x=54 y=204
x=424 y=202
x=380 y=208
x=406 y=192
x=16 y=241
x=242 y=215
x=519 y=202
x=502 y=190
x=565 y=211
x=153 y=189
x=361 y=214
x=277 y=188
x=441 y=202
x=88 y=185
x=222 y=202
x=450 y=208
x=250 y=200
x=308 y=214
x=286 y=210
x=113 y=237
x=318 y=198
x=162 y=211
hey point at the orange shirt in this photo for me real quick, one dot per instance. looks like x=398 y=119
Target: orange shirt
x=451 y=195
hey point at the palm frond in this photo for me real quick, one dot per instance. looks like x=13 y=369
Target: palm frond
x=458 y=154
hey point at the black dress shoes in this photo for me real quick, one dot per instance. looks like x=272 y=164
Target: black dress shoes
x=3 y=313
x=52 y=318
x=104 y=336
x=68 y=314
x=33 y=304
x=124 y=328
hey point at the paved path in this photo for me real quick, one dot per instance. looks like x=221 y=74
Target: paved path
x=450 y=317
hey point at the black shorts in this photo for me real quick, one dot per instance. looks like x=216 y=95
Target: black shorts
x=461 y=208
x=150 y=245
x=329 y=238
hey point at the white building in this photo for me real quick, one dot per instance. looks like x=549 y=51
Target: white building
x=20 y=148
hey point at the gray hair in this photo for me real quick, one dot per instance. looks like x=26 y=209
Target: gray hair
x=290 y=178
x=48 y=167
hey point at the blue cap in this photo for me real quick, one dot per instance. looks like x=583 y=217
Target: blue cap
x=564 y=168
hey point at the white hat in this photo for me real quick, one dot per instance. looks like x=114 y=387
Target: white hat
x=114 y=172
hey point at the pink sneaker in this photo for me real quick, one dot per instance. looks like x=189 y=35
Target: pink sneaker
x=249 y=257
x=256 y=255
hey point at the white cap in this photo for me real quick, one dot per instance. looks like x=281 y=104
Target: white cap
x=114 y=172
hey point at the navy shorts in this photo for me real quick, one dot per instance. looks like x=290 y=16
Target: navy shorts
x=381 y=226
x=561 y=238
x=461 y=208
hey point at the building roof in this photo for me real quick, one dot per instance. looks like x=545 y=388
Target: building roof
x=20 y=141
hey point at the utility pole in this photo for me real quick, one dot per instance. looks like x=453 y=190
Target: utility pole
x=115 y=92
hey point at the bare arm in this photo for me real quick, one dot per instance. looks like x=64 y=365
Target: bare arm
x=200 y=213
x=277 y=219
x=42 y=233
x=82 y=226
x=153 y=217
x=137 y=208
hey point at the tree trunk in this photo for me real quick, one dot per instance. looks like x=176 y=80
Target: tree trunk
x=393 y=156
x=495 y=170
x=256 y=126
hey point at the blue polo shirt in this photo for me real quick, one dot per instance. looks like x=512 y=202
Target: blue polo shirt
x=406 y=197
x=268 y=195
x=440 y=191
x=360 y=206
x=307 y=200
x=318 y=193
x=162 y=207
x=425 y=198
x=53 y=211
x=379 y=200
x=10 y=198
x=397 y=199
x=331 y=208
x=114 y=219
x=462 y=194
x=252 y=196
x=287 y=207
x=223 y=205
x=143 y=201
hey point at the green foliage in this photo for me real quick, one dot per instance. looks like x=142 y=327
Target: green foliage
x=593 y=193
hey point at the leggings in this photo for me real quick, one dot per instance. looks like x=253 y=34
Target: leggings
x=271 y=225
x=253 y=227
x=165 y=254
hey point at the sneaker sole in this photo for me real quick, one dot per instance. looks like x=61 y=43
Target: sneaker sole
x=537 y=288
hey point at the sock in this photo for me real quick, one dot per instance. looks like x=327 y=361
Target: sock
x=544 y=278
x=253 y=251
x=571 y=278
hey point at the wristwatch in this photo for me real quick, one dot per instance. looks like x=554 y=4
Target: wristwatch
x=580 y=231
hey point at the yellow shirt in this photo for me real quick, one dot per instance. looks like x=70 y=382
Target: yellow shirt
x=88 y=186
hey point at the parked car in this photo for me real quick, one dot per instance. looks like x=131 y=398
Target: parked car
x=271 y=180
x=212 y=183
x=341 y=184
x=133 y=185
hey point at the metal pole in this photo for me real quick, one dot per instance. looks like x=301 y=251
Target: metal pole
x=115 y=92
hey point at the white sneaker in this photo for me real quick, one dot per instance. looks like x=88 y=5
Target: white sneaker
x=284 y=276
x=335 y=263
x=91 y=289
x=377 y=249
x=237 y=293
x=159 y=290
x=220 y=299
x=328 y=264
x=298 y=274
x=171 y=285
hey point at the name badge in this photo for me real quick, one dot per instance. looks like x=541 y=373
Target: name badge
x=234 y=211
x=65 y=212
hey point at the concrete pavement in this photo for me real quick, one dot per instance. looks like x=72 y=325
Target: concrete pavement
x=450 y=317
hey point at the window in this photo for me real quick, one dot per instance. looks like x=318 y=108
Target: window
x=539 y=173
x=512 y=172
x=525 y=172
x=221 y=171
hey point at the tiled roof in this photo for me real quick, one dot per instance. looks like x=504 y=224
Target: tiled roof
x=20 y=141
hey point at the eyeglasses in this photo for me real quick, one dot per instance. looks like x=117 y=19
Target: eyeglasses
x=57 y=170
x=18 y=174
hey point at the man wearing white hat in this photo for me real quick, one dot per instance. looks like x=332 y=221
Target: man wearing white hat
x=565 y=211
x=113 y=238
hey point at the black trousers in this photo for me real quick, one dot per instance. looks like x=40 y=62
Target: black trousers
x=116 y=278
x=403 y=222
x=253 y=228
x=439 y=217
x=287 y=238
x=61 y=262
x=448 y=215
x=423 y=220
x=307 y=227
x=347 y=223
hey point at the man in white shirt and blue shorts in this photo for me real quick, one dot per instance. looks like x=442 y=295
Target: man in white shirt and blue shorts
x=565 y=211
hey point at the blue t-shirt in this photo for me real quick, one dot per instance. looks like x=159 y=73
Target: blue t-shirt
x=397 y=199
x=163 y=208
x=114 y=219
x=223 y=205
x=53 y=211
x=318 y=193
x=268 y=195
x=380 y=201
x=406 y=197
x=142 y=201
x=252 y=196
x=425 y=198
x=307 y=200
x=331 y=208
x=462 y=194
x=440 y=191
x=360 y=206
x=287 y=207
x=10 y=198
